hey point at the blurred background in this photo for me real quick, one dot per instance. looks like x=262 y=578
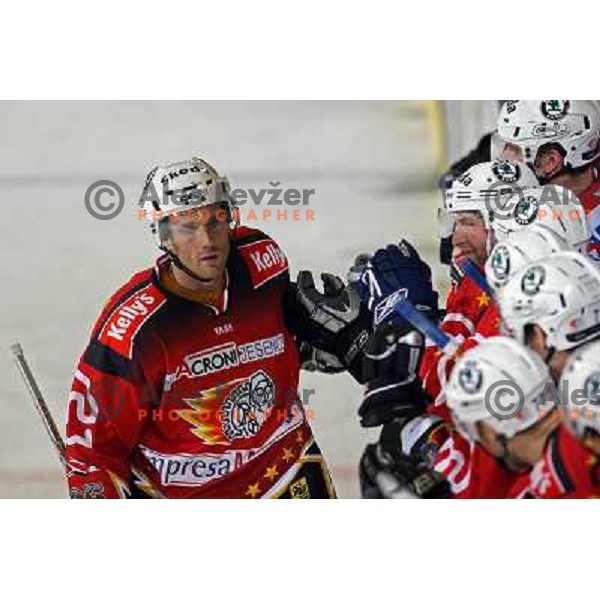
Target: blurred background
x=374 y=167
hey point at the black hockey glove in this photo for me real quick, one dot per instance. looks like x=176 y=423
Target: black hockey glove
x=391 y=361
x=398 y=477
x=333 y=320
x=313 y=359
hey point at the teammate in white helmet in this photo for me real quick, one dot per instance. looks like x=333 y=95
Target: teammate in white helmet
x=502 y=399
x=560 y=140
x=553 y=306
x=534 y=229
x=570 y=464
x=471 y=314
x=473 y=201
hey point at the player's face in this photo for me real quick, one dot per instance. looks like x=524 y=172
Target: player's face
x=201 y=239
x=512 y=152
x=535 y=339
x=469 y=239
x=525 y=449
x=547 y=162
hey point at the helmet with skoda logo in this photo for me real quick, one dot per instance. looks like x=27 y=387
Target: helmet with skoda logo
x=573 y=125
x=555 y=207
x=500 y=382
x=582 y=373
x=560 y=294
x=487 y=187
x=174 y=188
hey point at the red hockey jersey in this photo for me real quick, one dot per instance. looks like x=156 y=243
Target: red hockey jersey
x=567 y=469
x=470 y=316
x=590 y=199
x=173 y=398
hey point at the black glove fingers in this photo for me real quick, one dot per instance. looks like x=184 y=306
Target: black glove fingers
x=305 y=281
x=332 y=284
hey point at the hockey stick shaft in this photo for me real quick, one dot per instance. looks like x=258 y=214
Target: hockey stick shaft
x=427 y=327
x=471 y=270
x=40 y=403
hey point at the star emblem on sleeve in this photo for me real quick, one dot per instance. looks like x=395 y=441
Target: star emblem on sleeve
x=253 y=490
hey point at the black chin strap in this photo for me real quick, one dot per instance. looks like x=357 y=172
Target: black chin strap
x=550 y=355
x=175 y=260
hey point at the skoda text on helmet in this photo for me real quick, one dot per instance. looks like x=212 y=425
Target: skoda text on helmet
x=174 y=188
x=574 y=125
x=560 y=294
x=488 y=186
x=501 y=383
x=582 y=373
x=552 y=206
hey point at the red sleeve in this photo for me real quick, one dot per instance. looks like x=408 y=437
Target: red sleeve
x=471 y=315
x=112 y=390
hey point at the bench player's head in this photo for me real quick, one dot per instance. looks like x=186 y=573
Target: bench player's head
x=559 y=139
x=581 y=384
x=546 y=220
x=501 y=395
x=553 y=306
x=474 y=198
x=192 y=217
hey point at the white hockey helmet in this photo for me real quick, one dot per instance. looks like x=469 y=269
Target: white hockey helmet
x=581 y=382
x=523 y=247
x=561 y=294
x=553 y=206
x=572 y=124
x=173 y=188
x=500 y=382
x=487 y=187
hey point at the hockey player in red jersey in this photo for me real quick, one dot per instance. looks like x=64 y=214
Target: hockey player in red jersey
x=570 y=464
x=502 y=400
x=471 y=313
x=188 y=386
x=553 y=306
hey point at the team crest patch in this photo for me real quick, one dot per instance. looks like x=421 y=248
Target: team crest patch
x=592 y=388
x=470 y=377
x=299 y=489
x=506 y=171
x=501 y=262
x=555 y=109
x=236 y=410
x=533 y=280
x=526 y=210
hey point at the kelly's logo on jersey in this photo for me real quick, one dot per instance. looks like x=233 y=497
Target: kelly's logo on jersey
x=125 y=321
x=265 y=261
